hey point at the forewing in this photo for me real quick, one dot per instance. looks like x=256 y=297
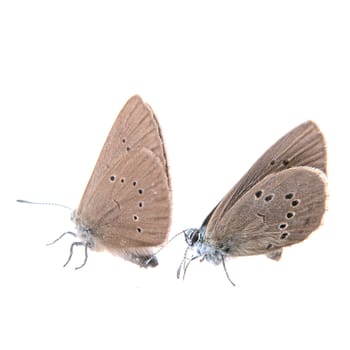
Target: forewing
x=135 y=127
x=302 y=146
x=130 y=207
x=281 y=210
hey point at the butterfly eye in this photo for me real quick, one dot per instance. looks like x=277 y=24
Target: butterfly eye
x=192 y=237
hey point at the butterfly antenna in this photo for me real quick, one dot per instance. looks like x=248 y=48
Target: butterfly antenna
x=153 y=255
x=227 y=275
x=40 y=203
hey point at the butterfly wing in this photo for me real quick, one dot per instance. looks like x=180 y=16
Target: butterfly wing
x=281 y=210
x=302 y=146
x=136 y=126
x=133 y=205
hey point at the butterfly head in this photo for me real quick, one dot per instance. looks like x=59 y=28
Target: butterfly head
x=83 y=231
x=193 y=237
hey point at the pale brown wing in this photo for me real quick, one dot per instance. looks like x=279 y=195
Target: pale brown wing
x=302 y=146
x=281 y=210
x=136 y=126
x=130 y=208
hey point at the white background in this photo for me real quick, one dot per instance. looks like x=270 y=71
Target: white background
x=226 y=80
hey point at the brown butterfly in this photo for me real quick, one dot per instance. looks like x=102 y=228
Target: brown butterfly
x=277 y=203
x=126 y=206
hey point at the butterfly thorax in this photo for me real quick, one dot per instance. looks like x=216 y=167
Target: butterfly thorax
x=83 y=231
x=195 y=238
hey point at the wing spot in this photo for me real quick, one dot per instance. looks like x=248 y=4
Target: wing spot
x=124 y=140
x=289 y=195
x=273 y=162
x=135 y=217
x=285 y=162
x=269 y=197
x=290 y=214
x=122 y=180
x=295 y=203
x=128 y=148
x=140 y=191
x=283 y=226
x=269 y=246
x=284 y=235
x=141 y=204
x=134 y=183
x=112 y=178
x=139 y=229
x=258 y=194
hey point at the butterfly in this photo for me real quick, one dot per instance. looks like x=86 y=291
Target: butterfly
x=279 y=202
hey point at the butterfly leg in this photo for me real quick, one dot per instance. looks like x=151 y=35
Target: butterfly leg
x=71 y=252
x=227 y=275
x=182 y=264
x=86 y=255
x=62 y=235
x=186 y=266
